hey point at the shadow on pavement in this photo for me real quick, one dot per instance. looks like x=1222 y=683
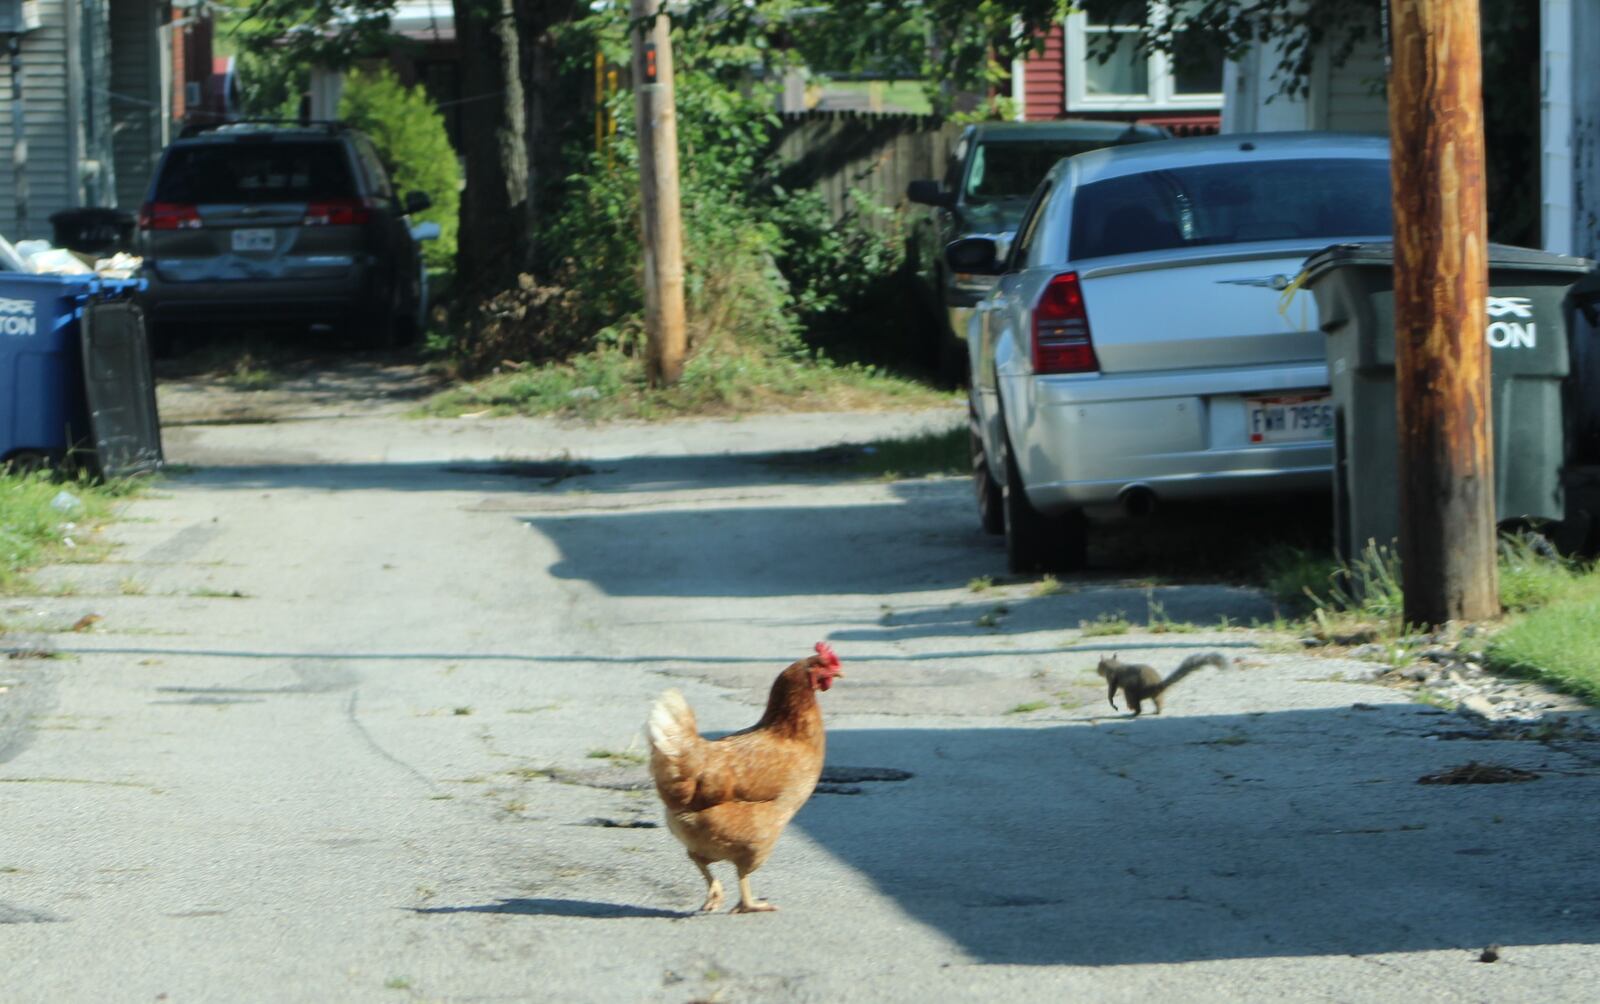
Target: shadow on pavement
x=558 y=908
x=1299 y=833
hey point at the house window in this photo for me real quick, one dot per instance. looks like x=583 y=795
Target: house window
x=1107 y=71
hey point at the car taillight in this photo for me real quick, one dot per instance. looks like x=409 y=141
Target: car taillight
x=337 y=213
x=169 y=216
x=1061 y=329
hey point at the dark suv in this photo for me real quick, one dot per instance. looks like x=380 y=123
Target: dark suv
x=991 y=174
x=281 y=223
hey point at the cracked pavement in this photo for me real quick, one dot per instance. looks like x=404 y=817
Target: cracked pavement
x=362 y=721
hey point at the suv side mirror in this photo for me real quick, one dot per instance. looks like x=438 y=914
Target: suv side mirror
x=976 y=255
x=929 y=193
x=416 y=202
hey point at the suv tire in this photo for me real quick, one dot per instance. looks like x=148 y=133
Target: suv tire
x=1036 y=542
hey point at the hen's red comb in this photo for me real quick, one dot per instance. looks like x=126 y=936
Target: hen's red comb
x=826 y=652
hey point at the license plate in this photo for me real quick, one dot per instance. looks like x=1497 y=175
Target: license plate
x=1289 y=419
x=253 y=240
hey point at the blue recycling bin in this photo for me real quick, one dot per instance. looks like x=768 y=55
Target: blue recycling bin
x=41 y=386
x=43 y=411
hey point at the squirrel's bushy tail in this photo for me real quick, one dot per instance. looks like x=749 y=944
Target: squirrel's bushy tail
x=1189 y=665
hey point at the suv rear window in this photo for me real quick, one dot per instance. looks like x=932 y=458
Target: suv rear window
x=1232 y=204
x=1014 y=170
x=249 y=171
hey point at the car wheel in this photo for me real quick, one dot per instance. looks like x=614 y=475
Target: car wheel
x=1036 y=542
x=952 y=358
x=991 y=497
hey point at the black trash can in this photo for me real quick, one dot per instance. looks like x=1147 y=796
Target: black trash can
x=119 y=387
x=1583 y=403
x=92 y=229
x=1526 y=330
x=1583 y=417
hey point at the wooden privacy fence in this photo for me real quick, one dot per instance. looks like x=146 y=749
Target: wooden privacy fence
x=833 y=153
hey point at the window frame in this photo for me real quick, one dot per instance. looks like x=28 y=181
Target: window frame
x=1161 y=96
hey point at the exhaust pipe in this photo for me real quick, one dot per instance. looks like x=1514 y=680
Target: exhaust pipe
x=1138 y=500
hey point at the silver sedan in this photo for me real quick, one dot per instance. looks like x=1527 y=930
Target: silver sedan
x=1145 y=340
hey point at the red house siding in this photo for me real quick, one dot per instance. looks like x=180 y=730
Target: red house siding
x=1044 y=78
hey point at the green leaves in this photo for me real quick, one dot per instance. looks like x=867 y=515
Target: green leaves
x=410 y=136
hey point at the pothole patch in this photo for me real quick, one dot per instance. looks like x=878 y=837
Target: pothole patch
x=11 y=914
x=1479 y=773
x=848 y=780
x=549 y=472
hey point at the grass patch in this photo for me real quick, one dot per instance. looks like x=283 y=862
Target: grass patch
x=251 y=373
x=251 y=362
x=981 y=584
x=909 y=96
x=1105 y=624
x=991 y=618
x=621 y=757
x=1023 y=709
x=608 y=384
x=36 y=530
x=1556 y=644
x=1531 y=577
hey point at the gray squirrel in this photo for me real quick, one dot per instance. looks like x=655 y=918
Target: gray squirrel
x=1140 y=683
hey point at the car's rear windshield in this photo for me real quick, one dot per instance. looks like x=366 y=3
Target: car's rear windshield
x=1232 y=204
x=245 y=172
x=1013 y=170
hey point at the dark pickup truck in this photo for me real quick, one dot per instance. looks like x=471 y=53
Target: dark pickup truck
x=992 y=172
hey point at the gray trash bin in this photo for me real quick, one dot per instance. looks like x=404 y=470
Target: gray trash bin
x=1526 y=330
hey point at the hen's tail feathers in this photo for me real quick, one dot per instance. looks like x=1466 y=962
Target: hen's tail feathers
x=671 y=727
x=1191 y=664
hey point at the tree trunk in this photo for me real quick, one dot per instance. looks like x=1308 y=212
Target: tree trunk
x=497 y=213
x=556 y=100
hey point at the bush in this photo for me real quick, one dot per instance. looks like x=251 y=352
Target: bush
x=410 y=136
x=766 y=270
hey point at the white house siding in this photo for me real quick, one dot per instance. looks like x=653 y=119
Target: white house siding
x=51 y=181
x=1586 y=134
x=95 y=146
x=1347 y=99
x=136 y=97
x=1555 y=125
x=1353 y=98
x=1250 y=98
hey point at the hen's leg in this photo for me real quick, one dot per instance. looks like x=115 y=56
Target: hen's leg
x=713 y=887
x=747 y=902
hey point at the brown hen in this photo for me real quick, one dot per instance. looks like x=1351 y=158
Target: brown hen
x=729 y=799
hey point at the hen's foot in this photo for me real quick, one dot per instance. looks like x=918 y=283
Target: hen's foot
x=713 y=901
x=755 y=906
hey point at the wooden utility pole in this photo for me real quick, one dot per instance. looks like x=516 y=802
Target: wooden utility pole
x=658 y=185
x=1446 y=476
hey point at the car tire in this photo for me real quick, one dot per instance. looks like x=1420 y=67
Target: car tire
x=990 y=494
x=1036 y=542
x=952 y=357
